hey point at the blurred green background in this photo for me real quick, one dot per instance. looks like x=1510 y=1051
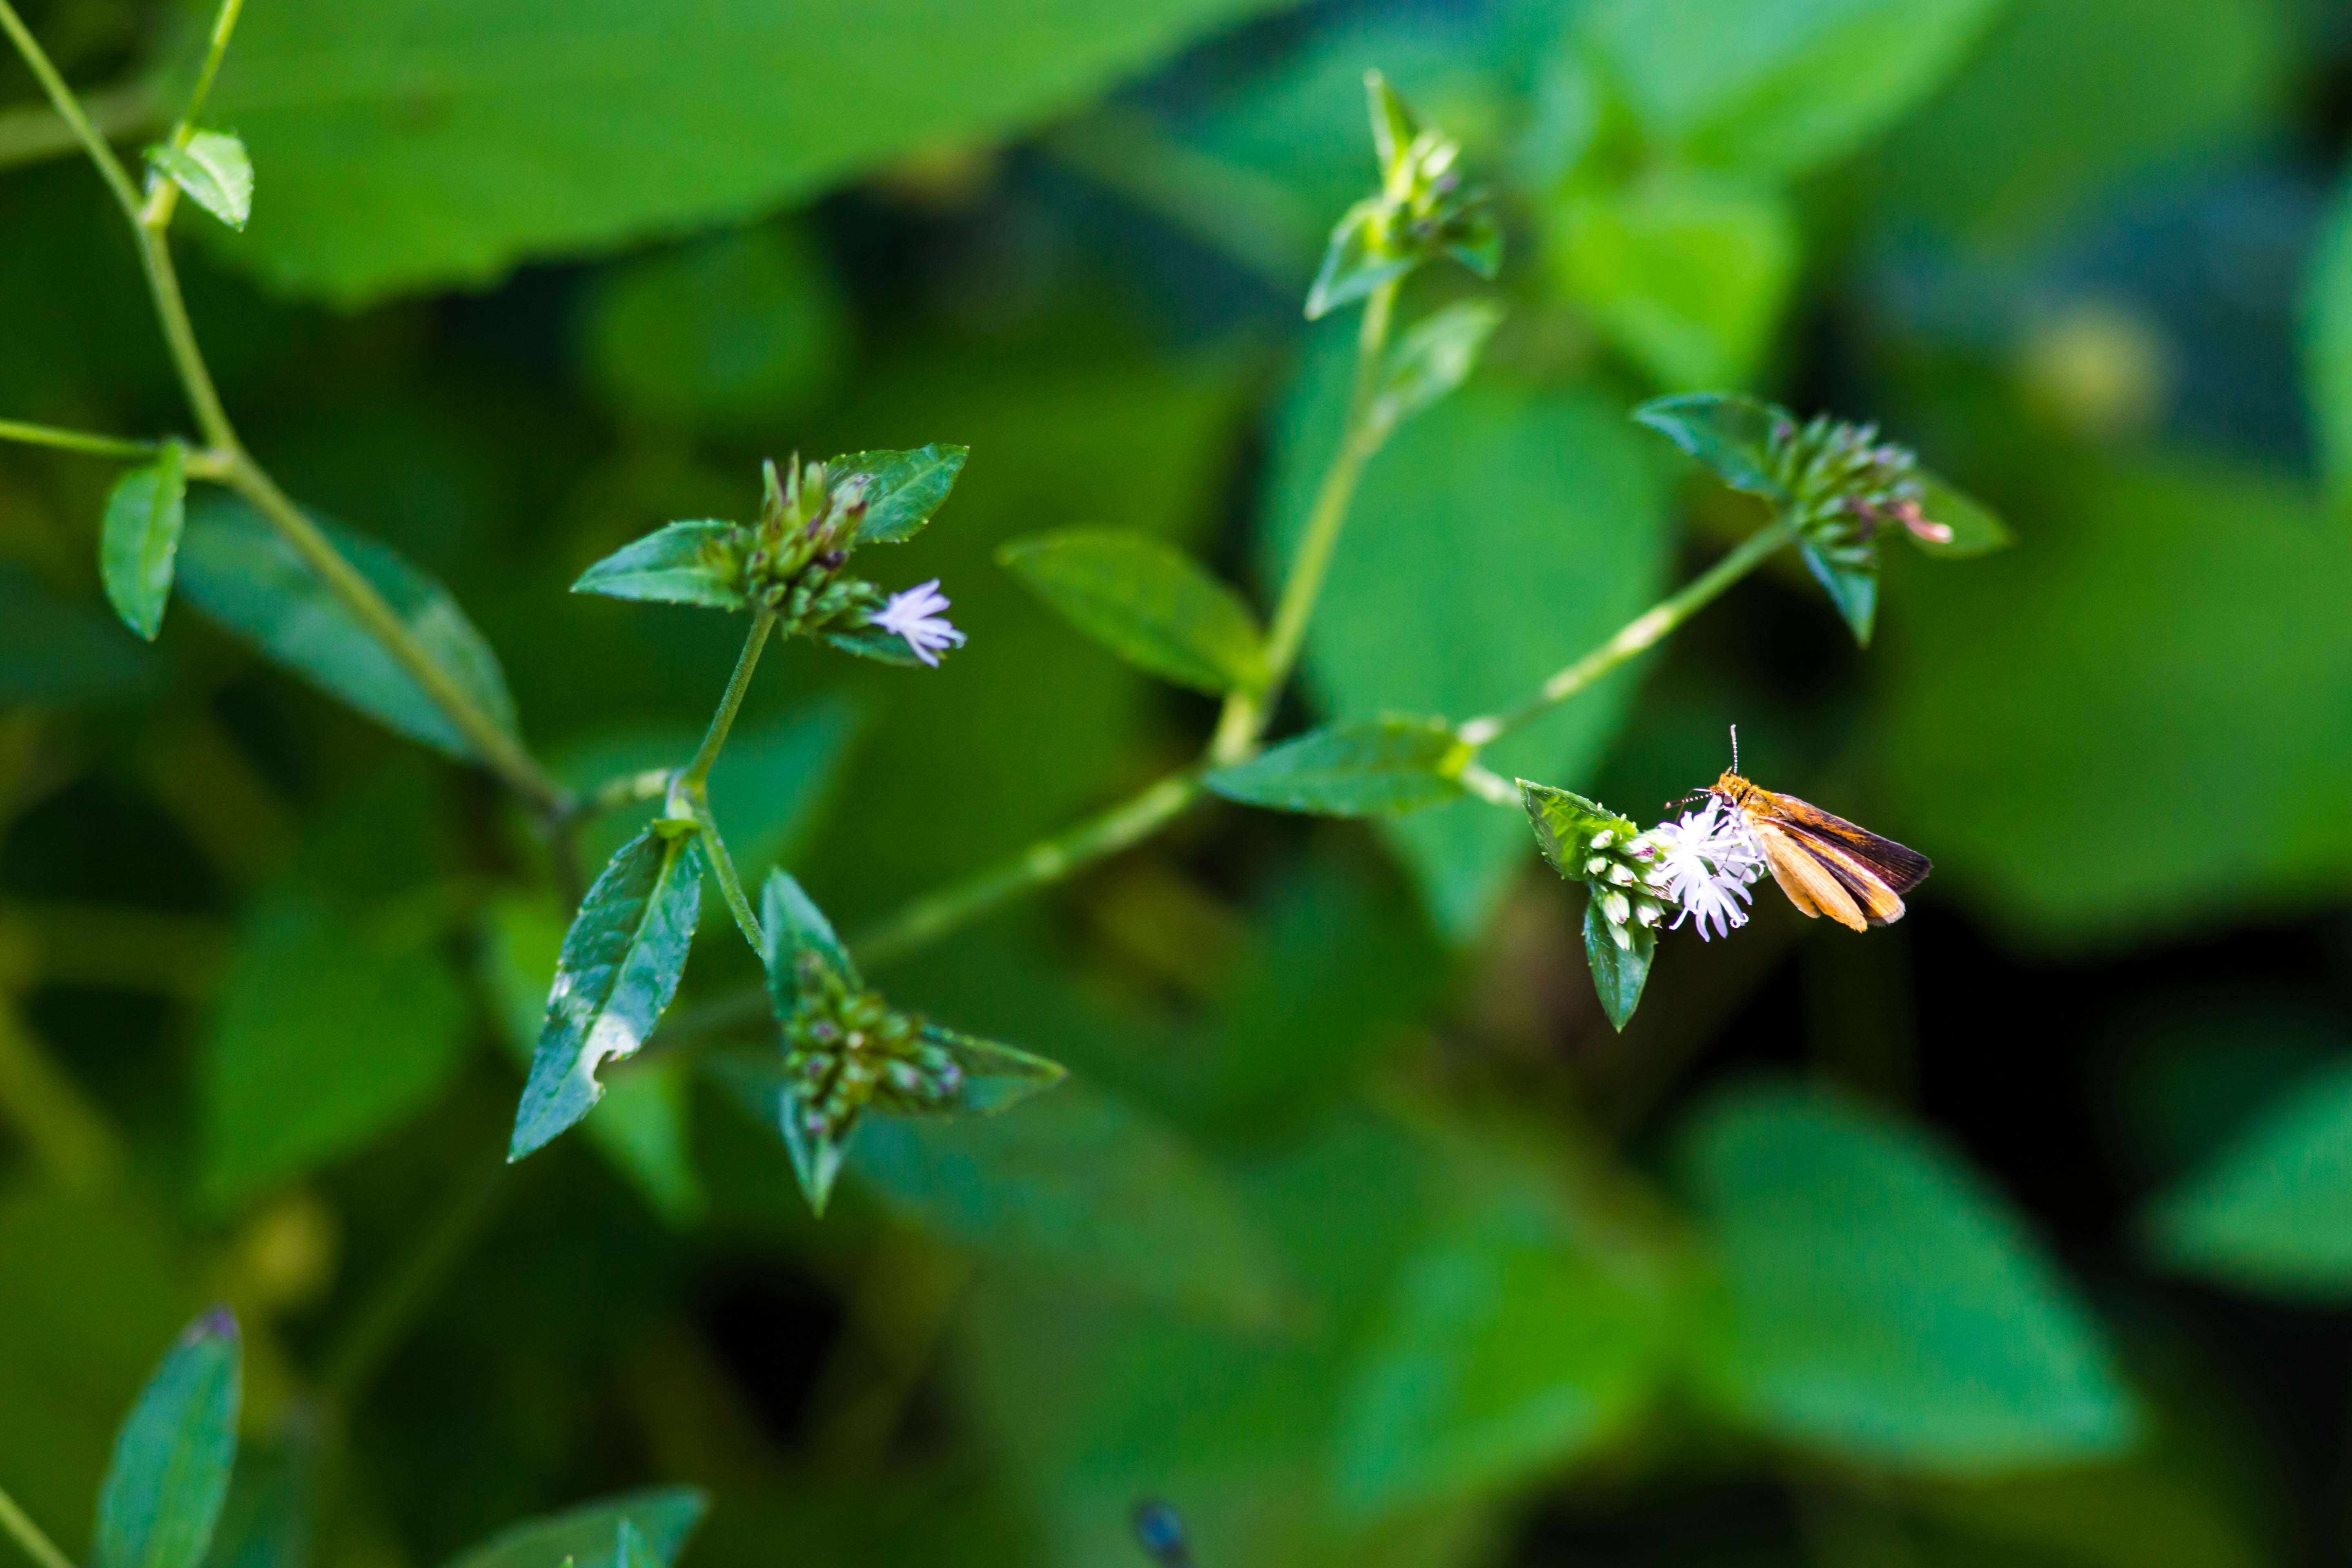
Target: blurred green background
x=2017 y=1233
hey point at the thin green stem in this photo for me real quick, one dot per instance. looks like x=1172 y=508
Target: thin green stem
x=696 y=771
x=35 y=134
x=162 y=195
x=1049 y=860
x=68 y=108
x=77 y=440
x=1642 y=633
x=38 y=1545
x=1246 y=713
x=731 y=886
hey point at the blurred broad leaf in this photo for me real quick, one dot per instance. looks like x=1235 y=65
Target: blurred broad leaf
x=1147 y=601
x=1456 y=598
x=2067 y=97
x=618 y=968
x=235 y=569
x=415 y=144
x=1505 y=1352
x=735 y=332
x=2327 y=345
x=140 y=539
x=641 y=1124
x=587 y=1536
x=214 y=171
x=2271 y=1213
x=2051 y=714
x=1358 y=768
x=678 y=563
x=1082 y=1185
x=1727 y=431
x=1435 y=356
x=1686 y=273
x=327 y=1036
x=1886 y=1306
x=164 y=1492
x=1779 y=86
x=268 y=1521
x=55 y=650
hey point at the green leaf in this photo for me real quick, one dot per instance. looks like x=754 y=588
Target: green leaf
x=589 y=1535
x=235 y=569
x=1351 y=769
x=641 y=1124
x=903 y=488
x=1727 y=431
x=1393 y=125
x=740 y=332
x=1975 y=530
x=1435 y=357
x=2271 y=1213
x=1779 y=89
x=412 y=145
x=1505 y=1352
x=144 y=514
x=995 y=1076
x=793 y=925
x=1458 y=595
x=2326 y=344
x=1853 y=588
x=1565 y=824
x=618 y=969
x=266 y=1521
x=277 y=1107
x=1351 y=267
x=1086 y=1187
x=1618 y=973
x=2048 y=716
x=874 y=643
x=1888 y=1306
x=679 y=564
x=164 y=1492
x=1147 y=601
x=629 y=1550
x=214 y=171
x=1685 y=273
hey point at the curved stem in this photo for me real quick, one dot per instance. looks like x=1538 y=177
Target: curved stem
x=68 y=108
x=1246 y=713
x=165 y=194
x=34 y=133
x=1049 y=860
x=731 y=886
x=1642 y=632
x=36 y=1544
x=696 y=771
x=65 y=440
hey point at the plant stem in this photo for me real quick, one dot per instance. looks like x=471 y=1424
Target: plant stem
x=37 y=1546
x=935 y=914
x=731 y=886
x=77 y=440
x=33 y=134
x=689 y=792
x=1246 y=713
x=696 y=771
x=233 y=466
x=165 y=194
x=1642 y=632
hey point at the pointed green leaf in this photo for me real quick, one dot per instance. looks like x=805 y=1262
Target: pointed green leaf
x=165 y=1488
x=682 y=563
x=629 y=1548
x=1618 y=973
x=589 y=1535
x=1887 y=1305
x=874 y=643
x=1727 y=431
x=236 y=570
x=761 y=1085
x=1565 y=823
x=266 y=1521
x=2273 y=1211
x=995 y=1076
x=214 y=171
x=140 y=540
x=1360 y=768
x=793 y=925
x=1853 y=588
x=1353 y=266
x=1436 y=356
x=1393 y=126
x=1148 y=603
x=1975 y=530
x=619 y=967
x=903 y=490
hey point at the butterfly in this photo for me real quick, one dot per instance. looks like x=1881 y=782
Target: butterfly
x=1825 y=864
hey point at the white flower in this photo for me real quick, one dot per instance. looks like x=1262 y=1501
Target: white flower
x=1705 y=863
x=914 y=616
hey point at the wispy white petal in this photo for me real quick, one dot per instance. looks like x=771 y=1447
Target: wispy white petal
x=915 y=617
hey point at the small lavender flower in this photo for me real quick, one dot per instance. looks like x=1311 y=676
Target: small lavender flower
x=1705 y=862
x=914 y=615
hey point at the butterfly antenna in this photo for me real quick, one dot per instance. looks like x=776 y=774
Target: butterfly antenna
x=1735 y=748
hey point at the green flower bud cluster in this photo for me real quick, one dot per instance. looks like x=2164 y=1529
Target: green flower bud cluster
x=846 y=1050
x=1424 y=211
x=1846 y=485
x=1619 y=864
x=807 y=530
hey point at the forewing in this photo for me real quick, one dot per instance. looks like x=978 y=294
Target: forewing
x=1898 y=866
x=1811 y=886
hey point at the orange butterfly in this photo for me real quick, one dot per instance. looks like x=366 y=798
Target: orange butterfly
x=1825 y=864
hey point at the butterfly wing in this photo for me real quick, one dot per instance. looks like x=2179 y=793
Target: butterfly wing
x=1873 y=872
x=1813 y=887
